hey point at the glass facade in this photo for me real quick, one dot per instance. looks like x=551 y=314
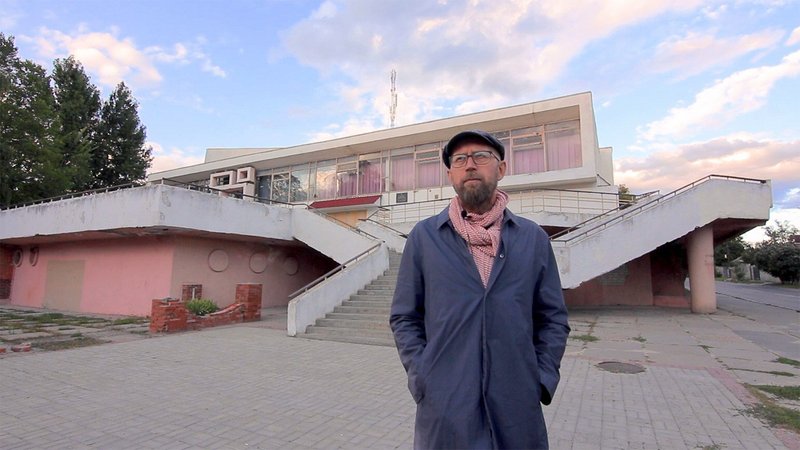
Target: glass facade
x=555 y=146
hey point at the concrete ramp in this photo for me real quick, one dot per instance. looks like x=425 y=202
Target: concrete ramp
x=602 y=245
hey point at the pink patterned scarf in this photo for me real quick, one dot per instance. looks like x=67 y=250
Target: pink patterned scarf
x=481 y=231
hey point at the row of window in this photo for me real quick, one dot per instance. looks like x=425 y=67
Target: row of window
x=530 y=150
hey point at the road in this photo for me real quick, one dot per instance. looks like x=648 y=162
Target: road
x=776 y=306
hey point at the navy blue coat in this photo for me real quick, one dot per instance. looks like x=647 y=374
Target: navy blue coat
x=479 y=360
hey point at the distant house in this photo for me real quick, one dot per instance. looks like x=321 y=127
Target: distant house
x=285 y=216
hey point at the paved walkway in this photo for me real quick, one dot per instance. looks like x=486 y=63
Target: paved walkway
x=250 y=386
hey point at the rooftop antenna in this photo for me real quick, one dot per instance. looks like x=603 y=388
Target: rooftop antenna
x=393 y=105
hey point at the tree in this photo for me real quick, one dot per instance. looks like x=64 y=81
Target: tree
x=29 y=156
x=121 y=155
x=777 y=254
x=78 y=107
x=729 y=250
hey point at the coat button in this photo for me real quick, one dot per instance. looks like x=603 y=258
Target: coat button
x=502 y=255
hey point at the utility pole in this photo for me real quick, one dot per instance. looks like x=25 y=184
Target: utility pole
x=393 y=105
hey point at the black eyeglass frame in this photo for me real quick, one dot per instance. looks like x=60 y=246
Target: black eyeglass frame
x=464 y=157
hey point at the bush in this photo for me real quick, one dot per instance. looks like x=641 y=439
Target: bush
x=201 y=306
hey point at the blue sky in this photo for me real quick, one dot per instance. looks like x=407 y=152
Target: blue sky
x=682 y=88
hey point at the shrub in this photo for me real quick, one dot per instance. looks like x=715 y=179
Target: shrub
x=201 y=306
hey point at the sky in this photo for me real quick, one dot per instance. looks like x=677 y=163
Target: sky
x=682 y=88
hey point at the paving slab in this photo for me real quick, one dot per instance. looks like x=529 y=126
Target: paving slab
x=248 y=387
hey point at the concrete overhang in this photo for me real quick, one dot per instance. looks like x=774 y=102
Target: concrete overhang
x=153 y=210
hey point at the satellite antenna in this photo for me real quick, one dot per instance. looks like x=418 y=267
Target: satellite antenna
x=393 y=105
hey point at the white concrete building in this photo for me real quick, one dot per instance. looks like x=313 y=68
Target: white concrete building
x=624 y=250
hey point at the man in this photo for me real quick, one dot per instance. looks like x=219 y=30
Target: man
x=478 y=314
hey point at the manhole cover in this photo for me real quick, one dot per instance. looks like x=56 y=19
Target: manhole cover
x=620 y=367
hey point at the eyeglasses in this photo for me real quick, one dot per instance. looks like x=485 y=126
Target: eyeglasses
x=481 y=158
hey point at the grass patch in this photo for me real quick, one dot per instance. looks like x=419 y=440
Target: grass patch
x=787 y=392
x=585 y=338
x=705 y=347
x=789 y=361
x=773 y=413
x=771 y=372
x=128 y=321
x=78 y=342
x=640 y=339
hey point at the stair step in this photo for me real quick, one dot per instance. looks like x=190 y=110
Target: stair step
x=367 y=317
x=382 y=325
x=350 y=339
x=363 y=309
x=370 y=303
x=362 y=332
x=386 y=299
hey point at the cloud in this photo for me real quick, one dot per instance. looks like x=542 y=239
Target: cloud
x=739 y=93
x=110 y=58
x=454 y=56
x=113 y=59
x=742 y=156
x=697 y=52
x=794 y=38
x=186 y=53
x=172 y=158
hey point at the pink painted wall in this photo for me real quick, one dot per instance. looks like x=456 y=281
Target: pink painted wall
x=120 y=276
x=631 y=286
x=280 y=269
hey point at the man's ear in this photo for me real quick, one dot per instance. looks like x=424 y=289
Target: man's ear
x=501 y=169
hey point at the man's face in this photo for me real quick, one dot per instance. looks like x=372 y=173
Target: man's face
x=476 y=184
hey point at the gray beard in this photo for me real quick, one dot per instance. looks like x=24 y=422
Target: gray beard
x=476 y=197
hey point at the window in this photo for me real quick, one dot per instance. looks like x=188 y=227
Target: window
x=347 y=179
x=428 y=170
x=370 y=174
x=264 y=185
x=402 y=169
x=280 y=186
x=299 y=183
x=527 y=151
x=563 y=144
x=326 y=180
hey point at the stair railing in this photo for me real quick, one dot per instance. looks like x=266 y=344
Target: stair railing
x=334 y=271
x=562 y=239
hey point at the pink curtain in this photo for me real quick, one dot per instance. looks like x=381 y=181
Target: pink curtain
x=428 y=173
x=528 y=160
x=348 y=181
x=402 y=173
x=563 y=148
x=370 y=176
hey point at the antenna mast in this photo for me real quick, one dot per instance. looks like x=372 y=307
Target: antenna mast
x=393 y=105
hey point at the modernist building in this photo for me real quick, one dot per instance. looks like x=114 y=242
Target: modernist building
x=284 y=216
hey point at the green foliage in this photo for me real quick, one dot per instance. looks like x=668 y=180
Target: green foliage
x=59 y=138
x=78 y=105
x=29 y=158
x=778 y=255
x=201 y=306
x=729 y=250
x=123 y=155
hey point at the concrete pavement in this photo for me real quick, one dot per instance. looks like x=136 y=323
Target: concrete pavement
x=250 y=386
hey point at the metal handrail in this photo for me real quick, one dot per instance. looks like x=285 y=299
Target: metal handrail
x=76 y=194
x=397 y=232
x=334 y=271
x=635 y=210
x=212 y=190
x=343 y=223
x=636 y=199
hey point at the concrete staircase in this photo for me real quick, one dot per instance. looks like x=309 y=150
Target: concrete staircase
x=364 y=318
